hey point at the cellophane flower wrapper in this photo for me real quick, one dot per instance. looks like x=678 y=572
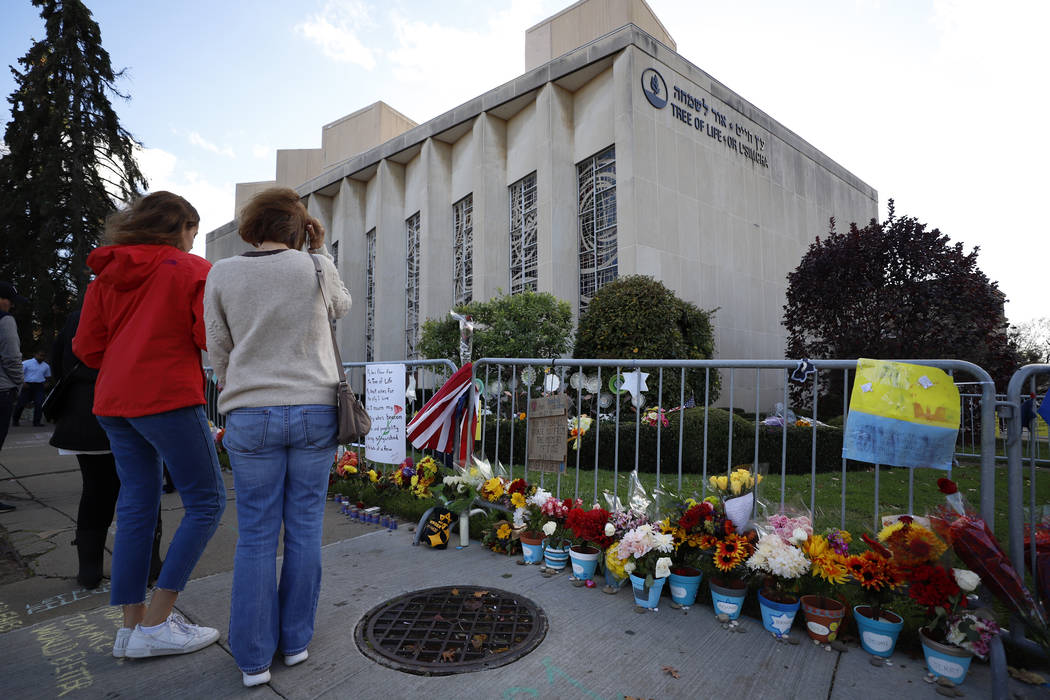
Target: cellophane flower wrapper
x=968 y=534
x=638 y=499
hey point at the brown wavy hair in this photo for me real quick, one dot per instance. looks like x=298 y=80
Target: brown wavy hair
x=156 y=219
x=278 y=215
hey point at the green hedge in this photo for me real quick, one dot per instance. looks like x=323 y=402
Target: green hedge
x=770 y=440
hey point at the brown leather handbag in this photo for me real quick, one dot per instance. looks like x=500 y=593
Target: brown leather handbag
x=354 y=421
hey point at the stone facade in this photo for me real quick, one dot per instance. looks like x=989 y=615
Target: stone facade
x=711 y=196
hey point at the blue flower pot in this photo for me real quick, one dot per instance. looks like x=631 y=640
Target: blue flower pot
x=612 y=581
x=584 y=561
x=878 y=637
x=945 y=660
x=777 y=617
x=644 y=598
x=683 y=588
x=727 y=599
x=555 y=558
x=531 y=548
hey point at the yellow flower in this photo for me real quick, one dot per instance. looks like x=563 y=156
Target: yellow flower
x=614 y=562
x=815 y=547
x=888 y=531
x=721 y=482
x=517 y=500
x=831 y=568
x=492 y=489
x=415 y=479
x=503 y=532
x=372 y=476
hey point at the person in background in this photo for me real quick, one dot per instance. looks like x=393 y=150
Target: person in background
x=142 y=326
x=36 y=373
x=270 y=346
x=10 y=362
x=77 y=432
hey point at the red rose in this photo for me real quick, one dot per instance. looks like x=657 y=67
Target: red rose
x=947 y=486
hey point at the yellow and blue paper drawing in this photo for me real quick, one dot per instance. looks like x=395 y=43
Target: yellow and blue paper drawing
x=902 y=415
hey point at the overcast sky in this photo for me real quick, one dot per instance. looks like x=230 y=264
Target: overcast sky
x=938 y=104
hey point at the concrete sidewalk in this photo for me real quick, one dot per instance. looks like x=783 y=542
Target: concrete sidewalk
x=56 y=642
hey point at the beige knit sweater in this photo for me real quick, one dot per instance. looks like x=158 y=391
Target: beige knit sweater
x=268 y=337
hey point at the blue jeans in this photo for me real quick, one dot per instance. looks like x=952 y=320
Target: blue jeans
x=181 y=439
x=281 y=458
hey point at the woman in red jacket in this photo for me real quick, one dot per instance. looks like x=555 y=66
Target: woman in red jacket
x=142 y=326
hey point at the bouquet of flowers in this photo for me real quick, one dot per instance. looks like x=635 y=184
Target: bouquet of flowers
x=737 y=492
x=876 y=574
x=645 y=553
x=553 y=514
x=977 y=547
x=827 y=555
x=972 y=631
x=590 y=527
x=528 y=509
x=499 y=536
x=783 y=563
x=347 y=465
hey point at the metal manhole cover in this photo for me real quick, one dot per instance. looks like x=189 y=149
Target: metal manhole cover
x=451 y=629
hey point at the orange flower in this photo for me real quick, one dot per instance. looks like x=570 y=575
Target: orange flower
x=855 y=566
x=923 y=546
x=708 y=542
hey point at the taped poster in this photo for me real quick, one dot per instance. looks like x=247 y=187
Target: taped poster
x=902 y=415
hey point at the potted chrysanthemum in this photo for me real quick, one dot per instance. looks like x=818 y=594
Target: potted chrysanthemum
x=783 y=563
x=553 y=513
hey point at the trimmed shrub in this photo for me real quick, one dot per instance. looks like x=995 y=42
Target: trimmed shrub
x=637 y=317
x=770 y=444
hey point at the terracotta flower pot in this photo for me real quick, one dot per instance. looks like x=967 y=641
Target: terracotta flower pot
x=823 y=617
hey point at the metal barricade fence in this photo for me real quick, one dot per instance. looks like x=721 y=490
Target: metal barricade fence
x=425 y=377
x=1016 y=461
x=968 y=444
x=506 y=386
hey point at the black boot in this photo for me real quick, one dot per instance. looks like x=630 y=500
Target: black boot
x=91 y=545
x=156 y=563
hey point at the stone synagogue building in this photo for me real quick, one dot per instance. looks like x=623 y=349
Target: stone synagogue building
x=611 y=155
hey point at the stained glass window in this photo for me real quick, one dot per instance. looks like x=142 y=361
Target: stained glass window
x=370 y=295
x=597 y=223
x=463 y=255
x=523 y=244
x=411 y=286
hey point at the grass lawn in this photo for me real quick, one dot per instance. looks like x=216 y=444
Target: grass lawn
x=860 y=491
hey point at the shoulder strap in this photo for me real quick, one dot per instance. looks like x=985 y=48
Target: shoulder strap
x=331 y=321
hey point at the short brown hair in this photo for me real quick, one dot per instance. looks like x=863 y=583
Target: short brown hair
x=278 y=215
x=156 y=219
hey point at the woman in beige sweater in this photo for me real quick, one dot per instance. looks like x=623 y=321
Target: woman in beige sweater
x=270 y=347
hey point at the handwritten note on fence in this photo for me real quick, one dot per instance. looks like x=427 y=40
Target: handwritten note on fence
x=385 y=401
x=548 y=433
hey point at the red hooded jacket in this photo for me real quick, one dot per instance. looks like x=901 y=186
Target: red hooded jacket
x=142 y=326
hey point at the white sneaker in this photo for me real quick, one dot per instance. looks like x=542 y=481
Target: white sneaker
x=120 y=644
x=293 y=659
x=173 y=636
x=251 y=680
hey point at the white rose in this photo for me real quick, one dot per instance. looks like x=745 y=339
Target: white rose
x=663 y=567
x=609 y=530
x=799 y=536
x=629 y=567
x=549 y=527
x=967 y=580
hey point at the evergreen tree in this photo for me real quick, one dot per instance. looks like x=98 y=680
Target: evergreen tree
x=69 y=162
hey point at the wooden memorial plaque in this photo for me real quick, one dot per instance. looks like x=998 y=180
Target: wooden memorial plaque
x=548 y=437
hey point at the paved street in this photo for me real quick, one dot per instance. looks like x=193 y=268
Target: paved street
x=55 y=639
